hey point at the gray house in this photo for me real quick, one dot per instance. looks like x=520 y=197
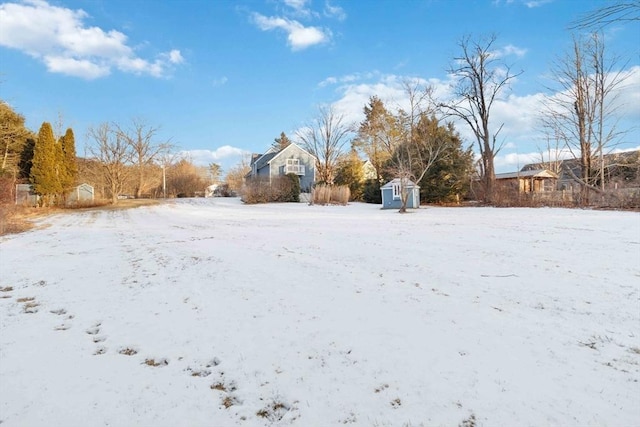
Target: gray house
x=291 y=159
x=391 y=195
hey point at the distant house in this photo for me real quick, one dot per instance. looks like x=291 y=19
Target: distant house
x=369 y=171
x=532 y=181
x=391 y=195
x=291 y=159
x=621 y=170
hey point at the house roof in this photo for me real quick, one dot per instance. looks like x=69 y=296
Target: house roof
x=538 y=173
x=266 y=158
x=396 y=181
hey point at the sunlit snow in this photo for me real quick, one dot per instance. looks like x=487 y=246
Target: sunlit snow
x=208 y=312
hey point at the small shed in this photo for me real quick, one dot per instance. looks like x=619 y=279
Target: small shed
x=25 y=195
x=83 y=193
x=531 y=181
x=391 y=194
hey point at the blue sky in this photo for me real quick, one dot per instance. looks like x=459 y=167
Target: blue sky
x=222 y=77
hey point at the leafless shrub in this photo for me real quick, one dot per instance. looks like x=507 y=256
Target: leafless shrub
x=261 y=190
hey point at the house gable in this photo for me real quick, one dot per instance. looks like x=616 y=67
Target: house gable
x=292 y=158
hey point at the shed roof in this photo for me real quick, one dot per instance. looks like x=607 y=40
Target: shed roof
x=396 y=181
x=538 y=173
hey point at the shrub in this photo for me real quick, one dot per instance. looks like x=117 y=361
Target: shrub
x=294 y=191
x=280 y=189
x=324 y=194
x=371 y=192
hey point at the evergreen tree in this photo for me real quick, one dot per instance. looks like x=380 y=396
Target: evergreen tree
x=26 y=159
x=68 y=166
x=449 y=178
x=350 y=172
x=378 y=135
x=281 y=142
x=44 y=175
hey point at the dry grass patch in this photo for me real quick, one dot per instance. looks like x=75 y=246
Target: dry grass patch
x=154 y=363
x=17 y=219
x=128 y=351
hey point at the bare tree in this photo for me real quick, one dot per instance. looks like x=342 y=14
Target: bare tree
x=325 y=138
x=482 y=77
x=582 y=109
x=235 y=175
x=420 y=145
x=145 y=149
x=107 y=146
x=615 y=12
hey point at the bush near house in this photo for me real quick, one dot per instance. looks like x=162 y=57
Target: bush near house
x=280 y=189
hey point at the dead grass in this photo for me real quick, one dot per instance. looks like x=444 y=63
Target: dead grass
x=153 y=362
x=229 y=401
x=128 y=351
x=16 y=219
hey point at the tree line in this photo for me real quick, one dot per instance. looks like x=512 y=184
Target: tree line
x=419 y=142
x=121 y=162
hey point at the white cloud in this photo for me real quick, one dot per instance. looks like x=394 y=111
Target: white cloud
x=521 y=137
x=298 y=36
x=296 y=4
x=175 y=57
x=58 y=37
x=334 y=11
x=225 y=154
x=220 y=81
x=509 y=50
x=75 y=67
x=536 y=3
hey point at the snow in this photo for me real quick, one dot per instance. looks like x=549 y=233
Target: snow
x=289 y=314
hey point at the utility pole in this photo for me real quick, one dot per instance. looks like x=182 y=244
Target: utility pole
x=164 y=181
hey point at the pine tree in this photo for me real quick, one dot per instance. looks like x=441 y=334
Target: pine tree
x=281 y=142
x=68 y=166
x=44 y=176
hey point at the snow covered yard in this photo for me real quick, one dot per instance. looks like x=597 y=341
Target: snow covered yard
x=206 y=312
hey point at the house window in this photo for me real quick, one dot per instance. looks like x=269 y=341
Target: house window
x=396 y=191
x=294 y=166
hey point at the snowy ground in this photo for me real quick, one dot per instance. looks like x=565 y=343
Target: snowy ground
x=206 y=312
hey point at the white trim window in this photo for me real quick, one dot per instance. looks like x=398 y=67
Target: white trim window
x=294 y=166
x=396 y=191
